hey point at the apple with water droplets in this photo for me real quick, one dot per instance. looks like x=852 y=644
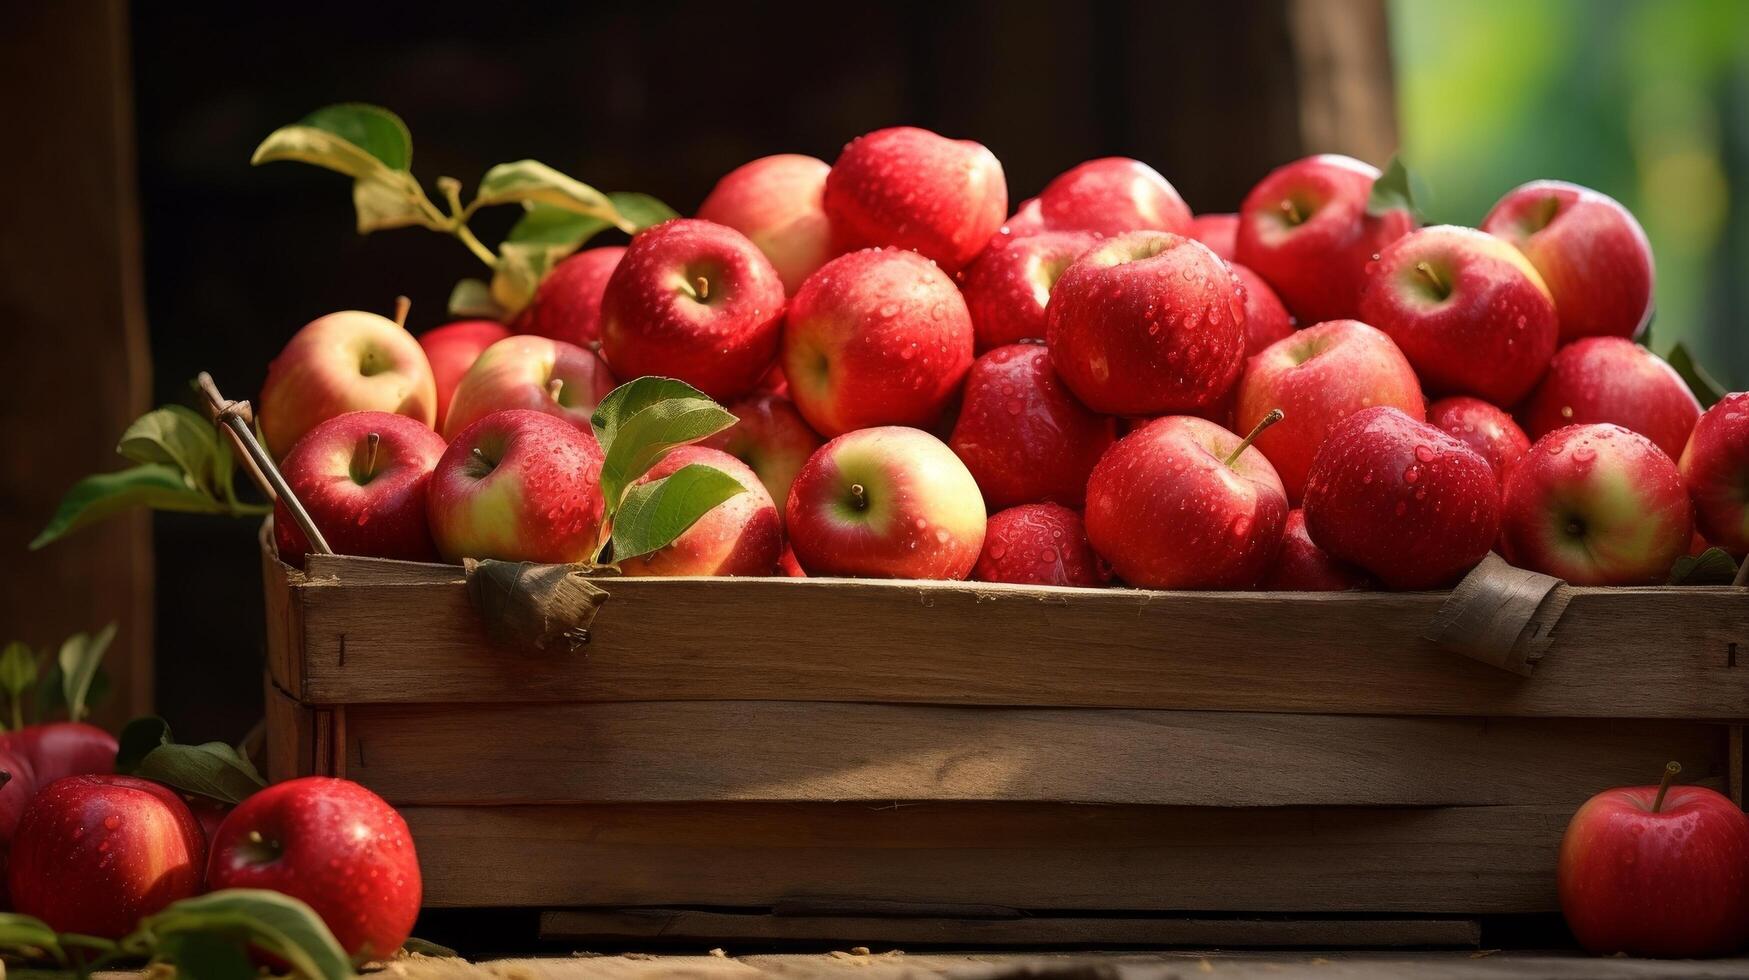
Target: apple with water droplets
x=532 y=373
x=518 y=485
x=1484 y=427
x=1008 y=288
x=778 y=202
x=1613 y=379
x=740 y=536
x=1112 y=196
x=1715 y=466
x=567 y=304
x=1302 y=566
x=912 y=189
x=1039 y=544
x=362 y=477
x=1220 y=232
x=771 y=436
x=1266 y=319
x=1023 y=435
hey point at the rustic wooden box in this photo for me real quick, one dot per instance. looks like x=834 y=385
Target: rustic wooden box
x=965 y=753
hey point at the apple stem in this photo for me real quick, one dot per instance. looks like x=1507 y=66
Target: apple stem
x=254 y=837
x=402 y=306
x=1275 y=415
x=1671 y=769
x=1292 y=212
x=371 y=442
x=1426 y=269
x=858 y=496
x=555 y=387
x=704 y=288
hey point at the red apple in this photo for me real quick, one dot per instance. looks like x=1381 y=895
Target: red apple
x=787 y=566
x=451 y=349
x=1596 y=505
x=776 y=202
x=886 y=502
x=345 y=362
x=1181 y=503
x=1486 y=428
x=1302 y=566
x=362 y=477
x=1320 y=376
x=1400 y=499
x=94 y=854
x=17 y=788
x=1466 y=309
x=772 y=438
x=1220 y=232
x=911 y=189
x=517 y=486
x=1111 y=196
x=1027 y=219
x=740 y=536
x=1039 y=544
x=1591 y=252
x=1147 y=323
x=1022 y=435
x=1657 y=871
x=333 y=845
x=58 y=749
x=533 y=373
x=1009 y=286
x=876 y=337
x=567 y=304
x=1306 y=229
x=1613 y=379
x=1715 y=466
x=696 y=301
x=1266 y=319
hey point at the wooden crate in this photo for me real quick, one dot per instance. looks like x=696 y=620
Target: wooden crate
x=969 y=753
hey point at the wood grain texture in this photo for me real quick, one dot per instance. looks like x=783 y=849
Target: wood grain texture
x=682 y=926
x=772 y=751
x=1342 y=56
x=1440 y=860
x=1646 y=652
x=291 y=736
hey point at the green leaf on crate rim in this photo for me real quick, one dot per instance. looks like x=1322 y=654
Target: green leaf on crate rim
x=473 y=298
x=174 y=435
x=530 y=181
x=156 y=485
x=1714 y=566
x=17 y=669
x=213 y=770
x=81 y=654
x=276 y=923
x=1705 y=388
x=353 y=138
x=1397 y=188
x=655 y=513
x=137 y=740
x=640 y=421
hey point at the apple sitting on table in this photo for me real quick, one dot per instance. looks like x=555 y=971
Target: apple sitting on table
x=1306 y=229
x=696 y=301
x=1147 y=323
x=1591 y=252
x=876 y=337
x=1302 y=566
x=567 y=304
x=1009 y=287
x=345 y=362
x=333 y=845
x=770 y=436
x=909 y=188
x=1470 y=314
x=93 y=854
x=1220 y=232
x=1596 y=505
x=1484 y=427
x=534 y=373
x=1039 y=544
x=1181 y=503
x=1266 y=319
x=1111 y=196
x=777 y=202
x=1022 y=435
x=518 y=486
x=1402 y=500
x=886 y=502
x=362 y=477
x=1320 y=376
x=1657 y=871
x=743 y=535
x=1613 y=379
x=1715 y=467
x=453 y=348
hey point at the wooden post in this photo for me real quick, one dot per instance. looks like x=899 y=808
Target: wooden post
x=78 y=368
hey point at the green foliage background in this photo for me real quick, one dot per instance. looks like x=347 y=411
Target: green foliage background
x=1645 y=100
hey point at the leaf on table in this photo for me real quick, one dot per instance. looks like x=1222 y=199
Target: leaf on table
x=655 y=513
x=1398 y=188
x=276 y=923
x=156 y=485
x=137 y=740
x=642 y=420
x=1714 y=566
x=212 y=769
x=1706 y=389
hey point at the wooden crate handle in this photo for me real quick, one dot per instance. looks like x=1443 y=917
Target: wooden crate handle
x=526 y=605
x=1502 y=615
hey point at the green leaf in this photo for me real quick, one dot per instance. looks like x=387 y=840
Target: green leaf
x=354 y=139
x=520 y=269
x=546 y=225
x=137 y=740
x=104 y=495
x=17 y=669
x=391 y=199
x=1705 y=388
x=1714 y=566
x=51 y=695
x=530 y=181
x=207 y=956
x=80 y=656
x=1397 y=189
x=28 y=937
x=640 y=421
x=641 y=210
x=425 y=947
x=213 y=770
x=224 y=471
x=279 y=924
x=655 y=513
x=174 y=435
x=473 y=298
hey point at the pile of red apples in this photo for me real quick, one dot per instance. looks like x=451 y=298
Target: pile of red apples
x=1314 y=393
